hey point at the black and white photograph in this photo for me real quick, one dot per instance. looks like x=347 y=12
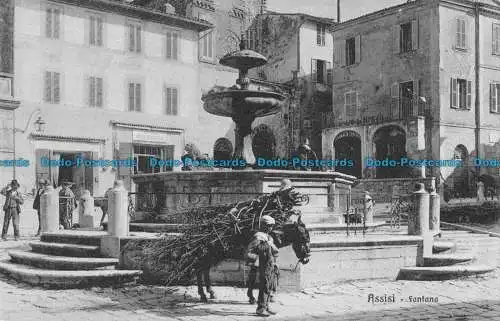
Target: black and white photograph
x=244 y=160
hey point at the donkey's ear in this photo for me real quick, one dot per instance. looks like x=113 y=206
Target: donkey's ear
x=299 y=220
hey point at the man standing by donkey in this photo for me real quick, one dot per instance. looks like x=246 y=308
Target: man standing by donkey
x=268 y=273
x=12 y=208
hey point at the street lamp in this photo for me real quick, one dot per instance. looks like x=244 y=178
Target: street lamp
x=40 y=126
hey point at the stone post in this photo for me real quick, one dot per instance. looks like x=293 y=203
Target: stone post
x=368 y=208
x=418 y=222
x=49 y=210
x=434 y=209
x=118 y=222
x=86 y=216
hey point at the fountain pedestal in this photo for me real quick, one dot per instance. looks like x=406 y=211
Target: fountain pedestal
x=181 y=191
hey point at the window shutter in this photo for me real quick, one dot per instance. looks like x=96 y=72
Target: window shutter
x=395 y=90
x=329 y=71
x=358 y=48
x=346 y=105
x=416 y=97
x=318 y=34
x=469 y=94
x=168 y=100
x=175 y=38
x=314 y=66
x=454 y=93
x=131 y=98
x=342 y=53
x=138 y=39
x=91 y=87
x=138 y=98
x=48 y=87
x=325 y=73
x=336 y=52
x=396 y=35
x=99 y=94
x=48 y=23
x=169 y=45
x=174 y=101
x=131 y=38
x=92 y=36
x=57 y=23
x=57 y=87
x=211 y=44
x=493 y=98
x=414 y=35
x=99 y=31
x=358 y=104
x=494 y=39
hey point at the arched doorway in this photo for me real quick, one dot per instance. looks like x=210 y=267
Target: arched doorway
x=461 y=175
x=390 y=144
x=263 y=142
x=347 y=146
x=223 y=149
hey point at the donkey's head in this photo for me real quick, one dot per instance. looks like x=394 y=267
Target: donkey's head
x=296 y=234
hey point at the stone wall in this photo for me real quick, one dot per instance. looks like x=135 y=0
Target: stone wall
x=382 y=189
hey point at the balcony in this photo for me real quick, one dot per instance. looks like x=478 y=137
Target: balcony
x=379 y=113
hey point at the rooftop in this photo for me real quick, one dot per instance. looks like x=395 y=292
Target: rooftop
x=127 y=8
x=303 y=16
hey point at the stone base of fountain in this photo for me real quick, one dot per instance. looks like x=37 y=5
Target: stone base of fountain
x=180 y=191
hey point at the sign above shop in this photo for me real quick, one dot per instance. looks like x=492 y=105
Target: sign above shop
x=150 y=136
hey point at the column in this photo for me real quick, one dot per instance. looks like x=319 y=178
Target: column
x=49 y=210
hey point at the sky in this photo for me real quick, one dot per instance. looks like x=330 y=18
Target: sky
x=328 y=8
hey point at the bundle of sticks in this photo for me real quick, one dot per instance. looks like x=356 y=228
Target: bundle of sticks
x=212 y=233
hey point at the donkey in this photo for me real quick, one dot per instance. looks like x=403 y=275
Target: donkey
x=294 y=233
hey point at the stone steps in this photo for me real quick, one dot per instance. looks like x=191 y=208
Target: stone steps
x=68 y=279
x=62 y=249
x=54 y=262
x=440 y=273
x=446 y=260
x=79 y=237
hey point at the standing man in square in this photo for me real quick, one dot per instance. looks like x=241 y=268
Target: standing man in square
x=12 y=208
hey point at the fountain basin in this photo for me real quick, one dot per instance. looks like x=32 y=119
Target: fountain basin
x=235 y=102
x=180 y=191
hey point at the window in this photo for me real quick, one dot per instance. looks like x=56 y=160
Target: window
x=496 y=39
x=320 y=34
x=461 y=34
x=350 y=51
x=207 y=45
x=495 y=98
x=95 y=31
x=406 y=37
x=172 y=42
x=134 y=38
x=461 y=93
x=251 y=39
x=134 y=96
x=52 y=85
x=171 y=101
x=95 y=86
x=142 y=153
x=351 y=104
x=307 y=124
x=406 y=94
x=321 y=71
x=53 y=23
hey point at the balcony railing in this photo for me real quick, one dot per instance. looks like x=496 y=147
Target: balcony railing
x=379 y=113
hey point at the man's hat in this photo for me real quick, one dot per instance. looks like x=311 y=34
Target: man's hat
x=268 y=220
x=15 y=183
x=67 y=182
x=43 y=181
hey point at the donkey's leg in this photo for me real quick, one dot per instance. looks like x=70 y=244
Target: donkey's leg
x=199 y=280
x=252 y=276
x=208 y=283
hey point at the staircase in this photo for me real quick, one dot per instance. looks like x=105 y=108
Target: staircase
x=457 y=254
x=66 y=259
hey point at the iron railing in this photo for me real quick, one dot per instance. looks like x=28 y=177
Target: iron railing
x=379 y=113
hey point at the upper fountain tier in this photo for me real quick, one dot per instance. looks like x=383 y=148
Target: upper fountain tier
x=239 y=100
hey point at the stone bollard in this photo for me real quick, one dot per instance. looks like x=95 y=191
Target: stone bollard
x=418 y=220
x=368 y=208
x=86 y=215
x=434 y=211
x=49 y=210
x=118 y=221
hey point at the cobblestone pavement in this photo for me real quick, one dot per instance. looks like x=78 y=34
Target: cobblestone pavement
x=469 y=299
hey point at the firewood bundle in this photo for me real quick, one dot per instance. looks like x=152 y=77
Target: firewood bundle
x=212 y=233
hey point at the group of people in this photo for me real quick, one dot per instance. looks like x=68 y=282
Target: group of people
x=14 y=199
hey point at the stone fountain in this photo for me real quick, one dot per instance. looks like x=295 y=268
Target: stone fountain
x=240 y=103
x=178 y=191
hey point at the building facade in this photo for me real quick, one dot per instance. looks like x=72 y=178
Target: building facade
x=299 y=49
x=112 y=80
x=418 y=80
